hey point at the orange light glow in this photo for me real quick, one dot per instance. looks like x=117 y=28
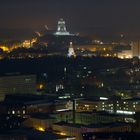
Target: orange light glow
x=62 y=133
x=40 y=129
x=41 y=86
x=4 y=48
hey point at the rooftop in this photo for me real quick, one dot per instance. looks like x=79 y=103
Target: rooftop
x=27 y=99
x=32 y=134
x=113 y=135
x=43 y=116
x=99 y=125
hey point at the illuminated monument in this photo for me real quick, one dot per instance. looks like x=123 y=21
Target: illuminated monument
x=71 y=52
x=61 y=28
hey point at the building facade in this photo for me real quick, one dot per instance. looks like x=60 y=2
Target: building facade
x=20 y=84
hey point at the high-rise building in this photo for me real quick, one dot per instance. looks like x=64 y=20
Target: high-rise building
x=20 y=84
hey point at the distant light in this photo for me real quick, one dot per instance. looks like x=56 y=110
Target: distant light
x=71 y=43
x=24 y=111
x=40 y=129
x=65 y=69
x=64 y=97
x=103 y=98
x=61 y=110
x=62 y=134
x=71 y=138
x=4 y=48
x=41 y=86
x=122 y=35
x=13 y=112
x=125 y=112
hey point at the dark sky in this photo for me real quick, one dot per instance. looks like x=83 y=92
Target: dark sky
x=89 y=16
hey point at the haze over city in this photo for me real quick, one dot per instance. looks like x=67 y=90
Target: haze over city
x=98 y=18
x=69 y=69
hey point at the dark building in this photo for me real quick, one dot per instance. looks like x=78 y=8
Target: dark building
x=23 y=105
x=111 y=135
x=16 y=83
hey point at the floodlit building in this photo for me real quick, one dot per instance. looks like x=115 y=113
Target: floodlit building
x=136 y=48
x=126 y=54
x=71 y=52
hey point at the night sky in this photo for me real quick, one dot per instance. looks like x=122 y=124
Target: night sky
x=95 y=17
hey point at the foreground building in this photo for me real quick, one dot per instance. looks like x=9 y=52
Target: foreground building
x=111 y=135
x=77 y=130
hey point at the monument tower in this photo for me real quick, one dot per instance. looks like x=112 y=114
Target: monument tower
x=71 y=52
x=61 y=28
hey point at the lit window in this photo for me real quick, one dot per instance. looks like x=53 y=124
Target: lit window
x=134 y=106
x=23 y=111
x=41 y=86
x=13 y=112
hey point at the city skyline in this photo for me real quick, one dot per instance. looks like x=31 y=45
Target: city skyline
x=91 y=17
x=69 y=69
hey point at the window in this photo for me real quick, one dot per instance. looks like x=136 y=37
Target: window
x=13 y=112
x=23 y=111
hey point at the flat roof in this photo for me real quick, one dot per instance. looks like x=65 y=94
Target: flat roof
x=99 y=125
x=40 y=115
x=27 y=99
